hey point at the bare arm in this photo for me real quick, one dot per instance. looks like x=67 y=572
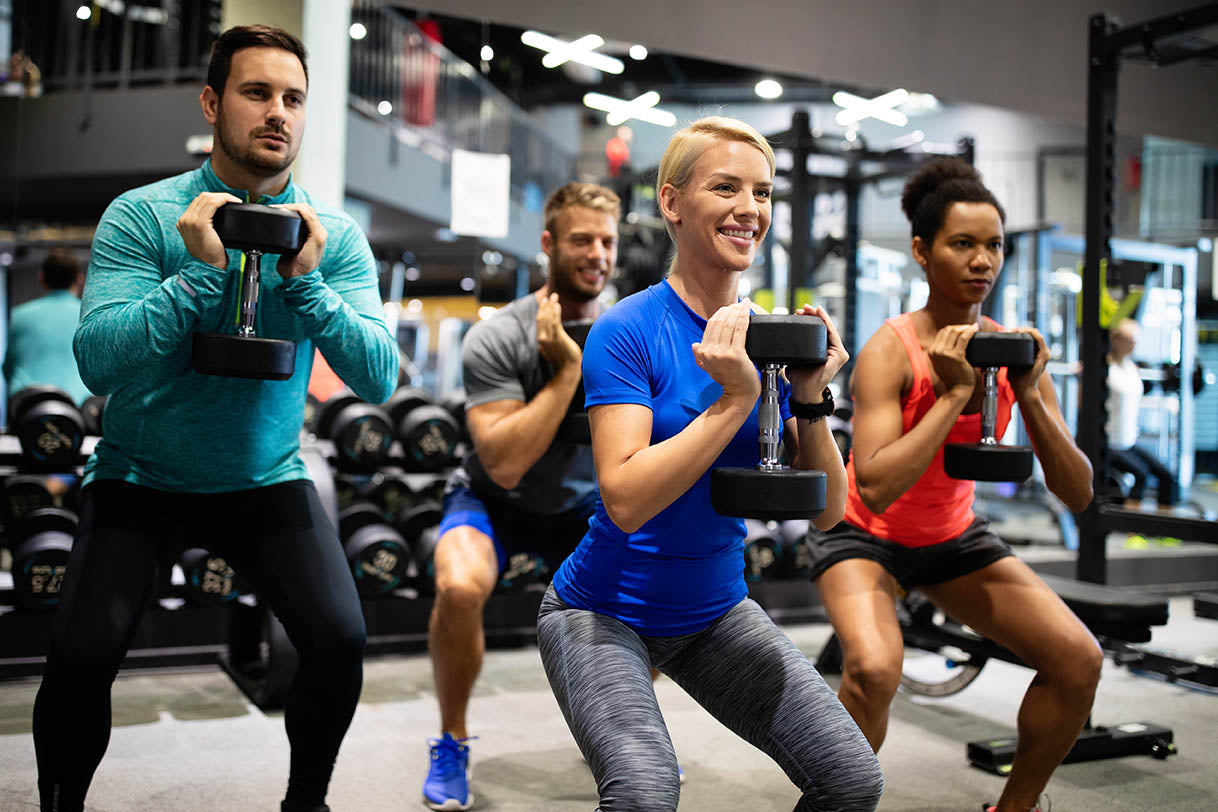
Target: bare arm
x=511 y=436
x=638 y=480
x=888 y=463
x=1067 y=470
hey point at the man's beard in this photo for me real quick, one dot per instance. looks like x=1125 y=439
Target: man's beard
x=563 y=280
x=261 y=165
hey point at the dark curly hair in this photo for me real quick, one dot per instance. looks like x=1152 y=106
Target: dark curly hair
x=934 y=187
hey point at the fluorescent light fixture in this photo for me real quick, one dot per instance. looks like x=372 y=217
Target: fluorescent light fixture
x=906 y=140
x=622 y=110
x=856 y=108
x=384 y=107
x=83 y=13
x=582 y=50
x=487 y=53
x=768 y=89
x=357 y=31
x=638 y=52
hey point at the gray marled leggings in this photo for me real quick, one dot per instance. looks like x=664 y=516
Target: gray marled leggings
x=741 y=668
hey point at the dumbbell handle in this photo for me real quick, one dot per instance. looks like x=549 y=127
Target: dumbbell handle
x=251 y=281
x=769 y=420
x=989 y=407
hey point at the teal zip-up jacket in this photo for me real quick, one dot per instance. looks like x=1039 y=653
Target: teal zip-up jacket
x=171 y=428
x=40 y=345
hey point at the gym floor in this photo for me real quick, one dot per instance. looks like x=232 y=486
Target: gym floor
x=190 y=741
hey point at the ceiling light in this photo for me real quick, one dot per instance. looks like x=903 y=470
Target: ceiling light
x=638 y=52
x=487 y=53
x=384 y=108
x=413 y=274
x=622 y=110
x=768 y=89
x=357 y=31
x=582 y=50
x=468 y=283
x=857 y=108
x=83 y=13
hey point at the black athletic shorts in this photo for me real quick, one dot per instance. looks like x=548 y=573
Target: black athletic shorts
x=913 y=567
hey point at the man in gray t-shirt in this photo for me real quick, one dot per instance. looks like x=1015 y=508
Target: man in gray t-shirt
x=520 y=489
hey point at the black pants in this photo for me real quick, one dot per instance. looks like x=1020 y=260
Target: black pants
x=1139 y=462
x=278 y=538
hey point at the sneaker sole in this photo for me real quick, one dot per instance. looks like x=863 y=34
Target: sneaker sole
x=452 y=804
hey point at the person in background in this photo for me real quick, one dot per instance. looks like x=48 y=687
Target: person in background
x=1124 y=400
x=40 y=331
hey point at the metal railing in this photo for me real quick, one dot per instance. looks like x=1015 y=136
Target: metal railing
x=438 y=102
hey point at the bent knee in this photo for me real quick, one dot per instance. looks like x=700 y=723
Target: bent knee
x=1076 y=668
x=460 y=595
x=858 y=787
x=873 y=679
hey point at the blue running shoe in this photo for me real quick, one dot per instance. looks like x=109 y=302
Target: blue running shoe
x=447 y=784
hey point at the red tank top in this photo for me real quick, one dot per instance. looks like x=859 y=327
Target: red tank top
x=937 y=507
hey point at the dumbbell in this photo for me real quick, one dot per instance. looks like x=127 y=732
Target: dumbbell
x=762 y=552
x=91 y=411
x=987 y=460
x=574 y=428
x=40 y=542
x=361 y=432
x=210 y=579
x=312 y=406
x=524 y=572
x=454 y=402
x=255 y=230
x=771 y=490
x=378 y=555
x=428 y=432
x=24 y=494
x=48 y=425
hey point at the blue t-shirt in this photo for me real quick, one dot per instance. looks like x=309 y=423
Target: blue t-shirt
x=684 y=567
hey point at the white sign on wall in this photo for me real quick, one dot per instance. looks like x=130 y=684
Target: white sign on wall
x=480 y=193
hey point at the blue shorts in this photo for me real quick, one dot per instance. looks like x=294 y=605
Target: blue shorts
x=512 y=530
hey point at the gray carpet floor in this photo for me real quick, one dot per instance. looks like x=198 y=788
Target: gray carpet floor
x=190 y=741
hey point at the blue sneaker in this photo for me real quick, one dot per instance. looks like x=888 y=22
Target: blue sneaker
x=447 y=784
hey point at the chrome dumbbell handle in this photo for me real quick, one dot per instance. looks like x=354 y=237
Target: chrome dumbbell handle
x=989 y=407
x=769 y=419
x=251 y=281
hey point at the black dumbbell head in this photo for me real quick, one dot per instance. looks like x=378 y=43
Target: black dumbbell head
x=254 y=227
x=361 y=432
x=24 y=494
x=412 y=520
x=48 y=425
x=390 y=492
x=405 y=400
x=210 y=579
x=429 y=438
x=41 y=542
x=762 y=552
x=987 y=463
x=234 y=356
x=993 y=349
x=379 y=559
x=357 y=515
x=759 y=494
x=795 y=340
x=91 y=411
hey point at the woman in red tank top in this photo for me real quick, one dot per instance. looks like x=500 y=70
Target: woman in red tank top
x=908 y=525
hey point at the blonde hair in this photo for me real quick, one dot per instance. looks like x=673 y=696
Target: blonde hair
x=588 y=195
x=687 y=146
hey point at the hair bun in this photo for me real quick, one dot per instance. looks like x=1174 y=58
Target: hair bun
x=930 y=176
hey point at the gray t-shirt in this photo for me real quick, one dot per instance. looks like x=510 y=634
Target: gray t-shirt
x=500 y=361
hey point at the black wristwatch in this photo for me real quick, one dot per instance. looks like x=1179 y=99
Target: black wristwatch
x=814 y=411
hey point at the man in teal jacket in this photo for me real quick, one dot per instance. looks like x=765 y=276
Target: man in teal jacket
x=39 y=351
x=213 y=461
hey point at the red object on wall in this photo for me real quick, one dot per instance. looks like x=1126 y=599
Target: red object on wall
x=420 y=67
x=618 y=153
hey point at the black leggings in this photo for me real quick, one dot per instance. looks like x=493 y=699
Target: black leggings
x=278 y=538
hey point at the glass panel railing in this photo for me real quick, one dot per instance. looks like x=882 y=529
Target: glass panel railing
x=438 y=102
